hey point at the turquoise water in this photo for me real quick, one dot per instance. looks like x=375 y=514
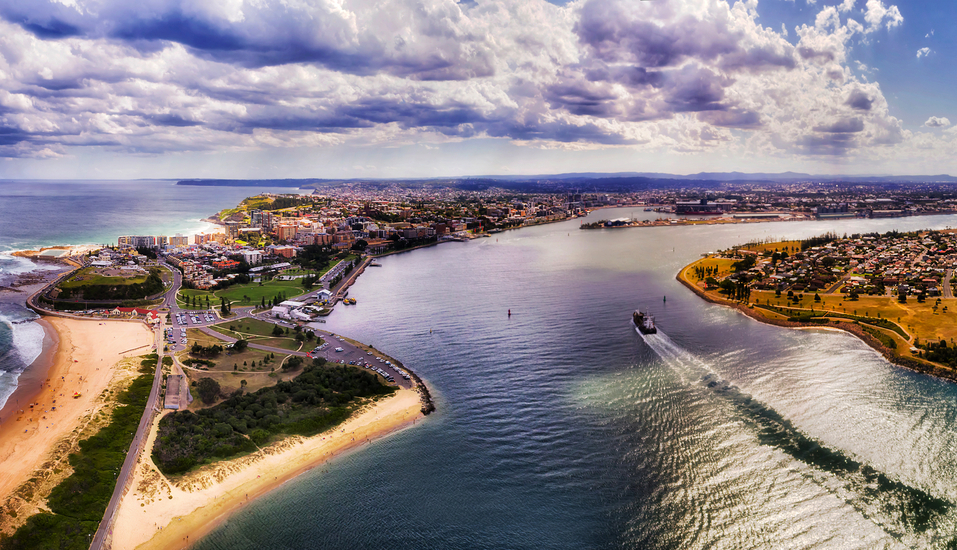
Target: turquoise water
x=562 y=427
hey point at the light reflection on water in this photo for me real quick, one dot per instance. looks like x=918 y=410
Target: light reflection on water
x=563 y=428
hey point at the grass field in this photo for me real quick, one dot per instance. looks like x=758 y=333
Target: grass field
x=222 y=371
x=98 y=276
x=260 y=332
x=790 y=246
x=248 y=294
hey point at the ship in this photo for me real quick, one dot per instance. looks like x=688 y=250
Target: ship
x=645 y=323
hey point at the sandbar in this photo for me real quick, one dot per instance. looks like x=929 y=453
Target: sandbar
x=158 y=513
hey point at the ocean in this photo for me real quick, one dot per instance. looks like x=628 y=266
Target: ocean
x=35 y=214
x=562 y=427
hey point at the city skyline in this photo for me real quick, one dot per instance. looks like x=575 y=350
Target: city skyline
x=443 y=89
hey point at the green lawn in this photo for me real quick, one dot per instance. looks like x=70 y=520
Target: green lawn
x=261 y=375
x=238 y=294
x=260 y=332
x=89 y=276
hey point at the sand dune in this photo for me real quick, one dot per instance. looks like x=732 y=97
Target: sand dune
x=159 y=514
x=85 y=355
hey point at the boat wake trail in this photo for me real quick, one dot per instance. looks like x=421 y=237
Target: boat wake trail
x=900 y=510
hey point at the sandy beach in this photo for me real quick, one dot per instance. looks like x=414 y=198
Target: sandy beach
x=84 y=356
x=159 y=514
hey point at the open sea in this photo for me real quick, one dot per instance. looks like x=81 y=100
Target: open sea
x=562 y=427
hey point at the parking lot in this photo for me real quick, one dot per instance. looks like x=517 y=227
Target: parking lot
x=349 y=354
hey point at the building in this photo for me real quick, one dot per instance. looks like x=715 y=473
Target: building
x=286 y=231
x=285 y=251
x=702 y=207
x=178 y=240
x=252 y=257
x=225 y=264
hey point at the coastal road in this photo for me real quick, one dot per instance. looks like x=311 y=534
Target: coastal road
x=948 y=292
x=139 y=440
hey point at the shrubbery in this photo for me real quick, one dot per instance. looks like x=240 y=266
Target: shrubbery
x=314 y=401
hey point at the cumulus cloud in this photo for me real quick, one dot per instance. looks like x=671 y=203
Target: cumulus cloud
x=877 y=14
x=688 y=75
x=923 y=52
x=937 y=122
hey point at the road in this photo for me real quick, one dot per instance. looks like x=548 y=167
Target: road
x=349 y=353
x=139 y=440
x=948 y=293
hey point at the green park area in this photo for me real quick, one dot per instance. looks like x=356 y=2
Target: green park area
x=91 y=276
x=249 y=294
x=267 y=334
x=114 y=283
x=247 y=369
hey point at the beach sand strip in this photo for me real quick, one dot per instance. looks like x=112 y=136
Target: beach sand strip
x=85 y=360
x=163 y=513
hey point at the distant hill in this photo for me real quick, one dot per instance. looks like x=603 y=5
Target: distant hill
x=590 y=182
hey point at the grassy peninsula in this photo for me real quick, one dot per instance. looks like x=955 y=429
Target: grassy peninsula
x=892 y=290
x=316 y=400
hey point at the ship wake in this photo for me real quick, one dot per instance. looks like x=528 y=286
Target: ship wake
x=902 y=511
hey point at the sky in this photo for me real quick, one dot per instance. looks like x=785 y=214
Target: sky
x=107 y=89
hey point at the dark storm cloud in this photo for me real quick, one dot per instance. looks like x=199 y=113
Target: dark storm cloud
x=614 y=34
x=827 y=144
x=12 y=136
x=558 y=131
x=696 y=89
x=271 y=36
x=859 y=100
x=843 y=126
x=170 y=120
x=731 y=119
x=580 y=98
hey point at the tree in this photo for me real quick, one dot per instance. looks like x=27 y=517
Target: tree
x=240 y=345
x=319 y=362
x=277 y=330
x=300 y=337
x=208 y=389
x=263 y=303
x=292 y=363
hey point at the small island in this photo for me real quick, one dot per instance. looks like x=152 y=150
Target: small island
x=891 y=290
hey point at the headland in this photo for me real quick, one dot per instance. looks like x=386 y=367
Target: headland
x=892 y=291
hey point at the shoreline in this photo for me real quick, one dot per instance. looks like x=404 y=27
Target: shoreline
x=84 y=357
x=848 y=327
x=28 y=382
x=196 y=504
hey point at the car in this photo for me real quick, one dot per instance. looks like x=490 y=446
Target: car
x=339 y=349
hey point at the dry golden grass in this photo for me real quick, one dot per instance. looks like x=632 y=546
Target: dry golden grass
x=790 y=246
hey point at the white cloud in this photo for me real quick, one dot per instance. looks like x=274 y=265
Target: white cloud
x=688 y=75
x=923 y=52
x=937 y=122
x=877 y=14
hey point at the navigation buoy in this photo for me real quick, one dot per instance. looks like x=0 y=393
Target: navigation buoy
x=665 y=299
x=509 y=313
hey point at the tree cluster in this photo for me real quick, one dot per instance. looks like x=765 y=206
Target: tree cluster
x=207 y=352
x=314 y=401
